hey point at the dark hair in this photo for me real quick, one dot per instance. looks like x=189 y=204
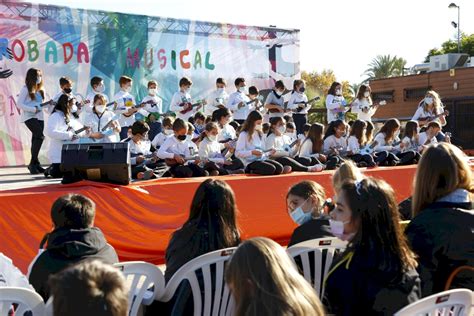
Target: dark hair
x=30 y=81
x=199 y=116
x=63 y=105
x=433 y=124
x=64 y=81
x=290 y=125
x=221 y=81
x=238 y=81
x=369 y=133
x=249 y=124
x=124 y=80
x=185 y=81
x=99 y=97
x=73 y=211
x=96 y=81
x=332 y=89
x=315 y=134
x=296 y=83
x=151 y=82
x=273 y=122
x=279 y=84
x=140 y=127
x=235 y=125
x=411 y=127
x=218 y=114
x=208 y=128
x=167 y=121
x=253 y=90
x=389 y=128
x=357 y=130
x=306 y=127
x=288 y=118
x=179 y=124
x=332 y=128
x=362 y=89
x=379 y=235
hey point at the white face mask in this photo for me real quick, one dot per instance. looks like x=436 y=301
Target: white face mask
x=38 y=80
x=299 y=216
x=429 y=100
x=338 y=92
x=220 y=90
x=100 y=88
x=187 y=90
x=128 y=89
x=366 y=94
x=259 y=127
x=337 y=227
x=74 y=108
x=100 y=109
x=212 y=138
x=152 y=92
x=279 y=93
x=281 y=129
x=167 y=131
x=243 y=89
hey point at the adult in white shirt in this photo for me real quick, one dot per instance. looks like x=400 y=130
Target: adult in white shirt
x=103 y=123
x=30 y=102
x=10 y=275
x=335 y=103
x=239 y=102
x=218 y=98
x=182 y=102
x=298 y=105
x=62 y=127
x=275 y=104
x=125 y=105
x=363 y=105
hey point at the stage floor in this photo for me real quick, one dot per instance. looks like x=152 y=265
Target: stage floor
x=20 y=178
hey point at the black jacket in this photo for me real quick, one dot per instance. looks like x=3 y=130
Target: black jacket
x=312 y=229
x=355 y=287
x=442 y=235
x=66 y=247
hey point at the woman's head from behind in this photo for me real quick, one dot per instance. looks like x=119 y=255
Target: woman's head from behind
x=370 y=219
x=347 y=171
x=304 y=201
x=264 y=281
x=442 y=169
x=214 y=204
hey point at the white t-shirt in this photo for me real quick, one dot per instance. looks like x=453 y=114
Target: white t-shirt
x=28 y=106
x=178 y=99
x=334 y=106
x=423 y=138
x=382 y=145
x=216 y=98
x=353 y=145
x=160 y=139
x=211 y=150
x=364 y=109
x=279 y=143
x=295 y=98
x=334 y=142
x=226 y=132
x=155 y=107
x=173 y=146
x=233 y=104
x=96 y=123
x=244 y=146
x=124 y=101
x=421 y=113
x=10 y=275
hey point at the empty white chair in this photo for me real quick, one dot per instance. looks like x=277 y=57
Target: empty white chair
x=200 y=268
x=315 y=248
x=26 y=300
x=458 y=302
x=146 y=282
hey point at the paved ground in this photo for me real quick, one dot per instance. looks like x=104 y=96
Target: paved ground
x=19 y=177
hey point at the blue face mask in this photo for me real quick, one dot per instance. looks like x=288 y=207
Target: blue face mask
x=299 y=216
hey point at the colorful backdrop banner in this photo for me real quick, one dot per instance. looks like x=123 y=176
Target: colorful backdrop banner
x=81 y=44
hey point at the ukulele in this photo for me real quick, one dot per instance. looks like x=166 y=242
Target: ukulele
x=432 y=118
x=188 y=106
x=303 y=104
x=289 y=147
x=172 y=162
x=368 y=149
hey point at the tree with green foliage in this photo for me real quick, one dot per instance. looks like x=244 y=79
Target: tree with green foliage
x=451 y=46
x=385 y=66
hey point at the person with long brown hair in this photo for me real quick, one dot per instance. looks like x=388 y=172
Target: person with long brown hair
x=363 y=105
x=311 y=149
x=376 y=274
x=387 y=141
x=250 y=148
x=335 y=103
x=441 y=231
x=264 y=281
x=356 y=140
x=29 y=101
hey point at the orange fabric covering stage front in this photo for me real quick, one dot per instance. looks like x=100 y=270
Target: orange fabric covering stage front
x=138 y=219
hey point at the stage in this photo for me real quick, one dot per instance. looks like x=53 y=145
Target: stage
x=138 y=219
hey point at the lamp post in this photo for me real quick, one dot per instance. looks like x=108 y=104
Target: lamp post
x=452 y=6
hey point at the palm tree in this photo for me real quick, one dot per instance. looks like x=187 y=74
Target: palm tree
x=384 y=66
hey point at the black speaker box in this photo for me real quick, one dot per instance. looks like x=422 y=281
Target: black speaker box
x=105 y=162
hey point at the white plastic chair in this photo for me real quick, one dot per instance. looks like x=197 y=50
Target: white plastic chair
x=141 y=277
x=458 y=302
x=27 y=300
x=223 y=301
x=315 y=248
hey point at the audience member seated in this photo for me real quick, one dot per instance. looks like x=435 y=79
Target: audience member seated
x=376 y=275
x=347 y=171
x=441 y=232
x=10 y=275
x=305 y=202
x=89 y=288
x=264 y=281
x=73 y=239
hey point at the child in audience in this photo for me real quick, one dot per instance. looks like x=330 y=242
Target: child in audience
x=284 y=153
x=90 y=288
x=181 y=102
x=347 y=171
x=441 y=231
x=376 y=274
x=101 y=118
x=305 y=202
x=177 y=153
x=125 y=105
x=264 y=281
x=250 y=145
x=166 y=132
x=239 y=101
x=335 y=103
x=218 y=97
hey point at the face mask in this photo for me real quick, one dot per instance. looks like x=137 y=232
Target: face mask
x=181 y=138
x=74 y=108
x=428 y=100
x=299 y=216
x=100 y=88
x=281 y=129
x=367 y=94
x=212 y=138
x=67 y=90
x=220 y=90
x=128 y=89
x=279 y=93
x=152 y=91
x=187 y=90
x=302 y=89
x=242 y=89
x=38 y=80
x=337 y=227
x=259 y=127
x=338 y=92
x=167 y=131
x=100 y=108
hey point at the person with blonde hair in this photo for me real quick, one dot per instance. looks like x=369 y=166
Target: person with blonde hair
x=347 y=171
x=305 y=202
x=264 y=281
x=430 y=109
x=89 y=288
x=441 y=232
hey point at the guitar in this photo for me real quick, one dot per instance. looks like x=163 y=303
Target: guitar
x=341 y=110
x=136 y=106
x=366 y=108
x=188 y=106
x=172 y=162
x=231 y=142
x=432 y=118
x=78 y=104
x=289 y=147
x=148 y=159
x=338 y=151
x=106 y=126
x=368 y=149
x=303 y=104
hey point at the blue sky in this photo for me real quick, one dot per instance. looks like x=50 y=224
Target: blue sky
x=341 y=35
